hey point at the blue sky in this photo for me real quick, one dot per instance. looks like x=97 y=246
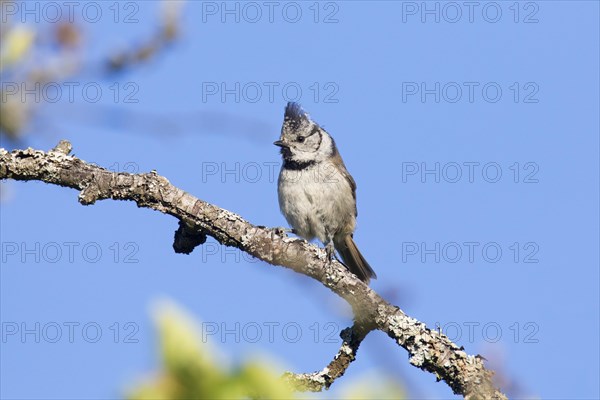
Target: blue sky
x=474 y=145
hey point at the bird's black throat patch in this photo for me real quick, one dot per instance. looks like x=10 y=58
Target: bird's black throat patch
x=297 y=165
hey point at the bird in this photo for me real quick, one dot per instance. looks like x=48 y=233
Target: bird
x=317 y=194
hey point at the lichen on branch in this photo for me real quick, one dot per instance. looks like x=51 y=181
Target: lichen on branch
x=428 y=349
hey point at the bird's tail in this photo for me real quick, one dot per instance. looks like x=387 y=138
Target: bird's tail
x=353 y=260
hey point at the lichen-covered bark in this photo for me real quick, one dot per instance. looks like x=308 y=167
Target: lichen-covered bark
x=317 y=381
x=429 y=350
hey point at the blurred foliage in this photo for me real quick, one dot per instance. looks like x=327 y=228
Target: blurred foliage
x=32 y=55
x=40 y=61
x=15 y=44
x=192 y=370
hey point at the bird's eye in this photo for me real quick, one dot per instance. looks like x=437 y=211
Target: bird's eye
x=300 y=139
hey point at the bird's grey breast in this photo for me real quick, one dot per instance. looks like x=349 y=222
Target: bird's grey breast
x=317 y=201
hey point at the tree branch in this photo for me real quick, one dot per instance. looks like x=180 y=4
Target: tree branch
x=429 y=350
x=317 y=381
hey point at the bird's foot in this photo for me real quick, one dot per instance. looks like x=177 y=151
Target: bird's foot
x=330 y=251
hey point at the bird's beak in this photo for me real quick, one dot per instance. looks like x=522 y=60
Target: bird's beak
x=280 y=143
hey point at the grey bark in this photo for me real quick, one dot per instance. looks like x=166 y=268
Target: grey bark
x=428 y=349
